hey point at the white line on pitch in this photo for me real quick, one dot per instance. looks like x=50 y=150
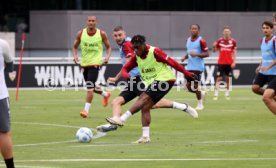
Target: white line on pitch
x=45 y=124
x=98 y=135
x=228 y=141
x=146 y=160
x=44 y=143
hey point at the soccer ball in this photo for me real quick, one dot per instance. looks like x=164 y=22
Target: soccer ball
x=84 y=135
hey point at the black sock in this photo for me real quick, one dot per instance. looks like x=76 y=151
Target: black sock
x=9 y=163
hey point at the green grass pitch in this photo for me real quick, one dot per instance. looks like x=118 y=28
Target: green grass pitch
x=239 y=133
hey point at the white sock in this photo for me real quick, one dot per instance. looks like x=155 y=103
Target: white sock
x=200 y=102
x=146 y=131
x=216 y=93
x=227 y=92
x=125 y=116
x=179 y=106
x=87 y=107
x=104 y=93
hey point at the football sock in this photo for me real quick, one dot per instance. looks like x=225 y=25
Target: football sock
x=125 y=116
x=87 y=107
x=179 y=106
x=9 y=163
x=104 y=93
x=200 y=102
x=146 y=131
x=216 y=93
x=227 y=92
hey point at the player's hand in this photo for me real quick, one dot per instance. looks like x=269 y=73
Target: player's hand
x=111 y=80
x=76 y=59
x=12 y=75
x=193 y=54
x=182 y=59
x=191 y=75
x=258 y=69
x=265 y=68
x=233 y=65
x=105 y=61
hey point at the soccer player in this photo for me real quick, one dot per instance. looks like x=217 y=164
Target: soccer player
x=196 y=50
x=157 y=77
x=91 y=40
x=227 y=60
x=266 y=71
x=135 y=85
x=5 y=133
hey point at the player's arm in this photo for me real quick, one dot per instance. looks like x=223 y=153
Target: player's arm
x=215 y=46
x=182 y=59
x=234 y=56
x=129 y=53
x=163 y=57
x=76 y=46
x=128 y=67
x=114 y=79
x=107 y=46
x=204 y=48
x=8 y=60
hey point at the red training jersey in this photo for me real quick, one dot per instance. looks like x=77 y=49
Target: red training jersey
x=226 y=49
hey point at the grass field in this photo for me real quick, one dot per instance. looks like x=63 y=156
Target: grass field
x=237 y=133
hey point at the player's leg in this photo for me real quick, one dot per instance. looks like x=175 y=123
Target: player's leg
x=268 y=99
x=228 y=76
x=89 y=92
x=154 y=93
x=268 y=96
x=227 y=91
x=194 y=87
x=93 y=74
x=5 y=135
x=259 y=81
x=146 y=119
x=165 y=103
x=125 y=96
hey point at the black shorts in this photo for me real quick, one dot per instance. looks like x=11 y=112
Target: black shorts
x=197 y=73
x=158 y=89
x=90 y=75
x=134 y=88
x=272 y=85
x=5 y=123
x=261 y=79
x=224 y=69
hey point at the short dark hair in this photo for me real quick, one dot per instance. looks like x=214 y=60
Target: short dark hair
x=118 y=28
x=268 y=23
x=138 y=40
x=195 y=25
x=226 y=27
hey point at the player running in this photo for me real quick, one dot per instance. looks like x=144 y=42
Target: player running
x=196 y=50
x=135 y=84
x=227 y=60
x=91 y=40
x=157 y=77
x=266 y=71
x=268 y=65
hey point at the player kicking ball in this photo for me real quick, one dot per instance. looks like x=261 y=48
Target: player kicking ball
x=157 y=77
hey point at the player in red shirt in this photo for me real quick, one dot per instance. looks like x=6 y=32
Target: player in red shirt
x=227 y=59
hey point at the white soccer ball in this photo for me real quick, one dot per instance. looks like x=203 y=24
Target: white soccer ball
x=84 y=135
